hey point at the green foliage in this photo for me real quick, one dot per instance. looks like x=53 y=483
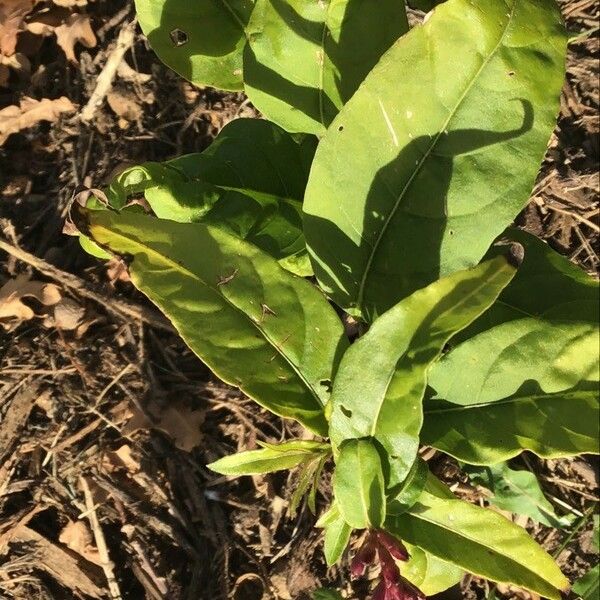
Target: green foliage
x=518 y=492
x=421 y=166
x=269 y=459
x=446 y=158
x=588 y=587
x=256 y=326
x=462 y=534
x=386 y=401
x=202 y=40
x=242 y=183
x=358 y=484
x=305 y=59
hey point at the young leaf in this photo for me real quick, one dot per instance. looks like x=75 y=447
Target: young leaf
x=358 y=484
x=518 y=492
x=588 y=587
x=201 y=40
x=305 y=59
x=274 y=458
x=326 y=594
x=446 y=158
x=256 y=326
x=551 y=425
x=385 y=401
x=543 y=328
x=337 y=534
x=411 y=488
x=479 y=541
x=429 y=573
x=249 y=181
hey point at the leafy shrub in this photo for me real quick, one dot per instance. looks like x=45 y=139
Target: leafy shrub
x=429 y=142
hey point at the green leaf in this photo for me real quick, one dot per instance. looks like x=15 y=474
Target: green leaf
x=358 y=484
x=479 y=541
x=256 y=326
x=305 y=59
x=411 y=488
x=588 y=587
x=274 y=458
x=385 y=401
x=202 y=40
x=250 y=181
x=518 y=492
x=427 y=164
x=429 y=573
x=326 y=594
x=543 y=328
x=337 y=534
x=551 y=425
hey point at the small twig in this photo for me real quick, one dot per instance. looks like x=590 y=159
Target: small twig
x=123 y=310
x=580 y=524
x=575 y=216
x=105 y=562
x=105 y=79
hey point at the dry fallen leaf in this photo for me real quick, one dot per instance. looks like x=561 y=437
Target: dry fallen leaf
x=124 y=106
x=29 y=113
x=77 y=537
x=121 y=458
x=12 y=13
x=12 y=308
x=68 y=314
x=179 y=422
x=76 y=29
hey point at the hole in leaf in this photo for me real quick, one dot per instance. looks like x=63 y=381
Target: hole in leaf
x=346 y=411
x=179 y=37
x=326 y=383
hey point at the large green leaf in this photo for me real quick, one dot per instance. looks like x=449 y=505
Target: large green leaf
x=480 y=541
x=551 y=425
x=543 y=328
x=256 y=326
x=249 y=181
x=202 y=40
x=358 y=484
x=305 y=58
x=428 y=163
x=428 y=572
x=518 y=492
x=384 y=401
x=272 y=458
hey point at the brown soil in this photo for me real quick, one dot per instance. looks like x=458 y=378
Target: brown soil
x=74 y=471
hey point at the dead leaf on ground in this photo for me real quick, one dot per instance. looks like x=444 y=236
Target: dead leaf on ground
x=12 y=15
x=124 y=106
x=30 y=112
x=179 y=422
x=121 y=458
x=13 y=310
x=76 y=29
x=77 y=537
x=67 y=315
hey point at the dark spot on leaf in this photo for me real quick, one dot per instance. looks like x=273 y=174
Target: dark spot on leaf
x=341 y=128
x=451 y=231
x=178 y=37
x=346 y=411
x=511 y=73
x=326 y=383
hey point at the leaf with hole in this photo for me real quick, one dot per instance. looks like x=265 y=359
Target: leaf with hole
x=256 y=326
x=202 y=40
x=446 y=158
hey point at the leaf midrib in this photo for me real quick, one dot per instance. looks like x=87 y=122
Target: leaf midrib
x=175 y=265
x=366 y=272
x=477 y=543
x=422 y=371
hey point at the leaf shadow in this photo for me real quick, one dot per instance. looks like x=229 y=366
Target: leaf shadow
x=398 y=247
